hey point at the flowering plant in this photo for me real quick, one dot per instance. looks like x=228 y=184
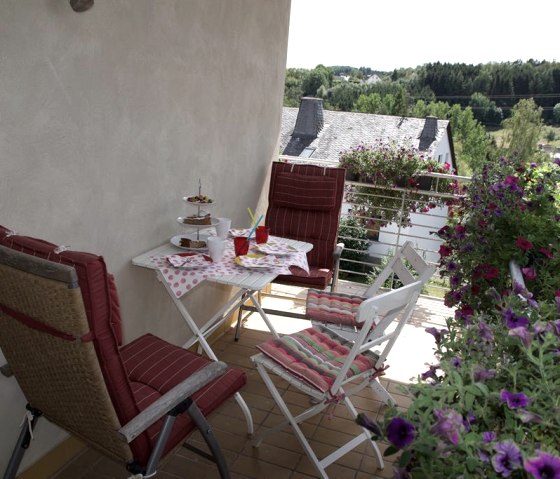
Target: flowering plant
x=386 y=166
x=490 y=407
x=511 y=212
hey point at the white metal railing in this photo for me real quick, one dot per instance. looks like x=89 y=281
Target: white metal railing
x=367 y=249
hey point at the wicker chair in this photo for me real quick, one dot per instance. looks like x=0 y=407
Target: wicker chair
x=60 y=333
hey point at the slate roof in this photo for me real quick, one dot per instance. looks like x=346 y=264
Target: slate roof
x=343 y=130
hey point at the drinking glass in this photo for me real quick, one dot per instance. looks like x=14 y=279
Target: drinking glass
x=216 y=248
x=241 y=245
x=223 y=226
x=261 y=234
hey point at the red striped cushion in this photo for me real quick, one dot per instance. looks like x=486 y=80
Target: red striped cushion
x=317 y=277
x=154 y=367
x=316 y=356
x=335 y=308
x=304 y=192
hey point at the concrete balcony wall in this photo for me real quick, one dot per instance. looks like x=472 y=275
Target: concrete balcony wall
x=108 y=117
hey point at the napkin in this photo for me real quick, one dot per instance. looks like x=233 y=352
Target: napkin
x=259 y=261
x=276 y=247
x=179 y=261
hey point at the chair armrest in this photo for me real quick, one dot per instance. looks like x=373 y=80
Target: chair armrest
x=337 y=253
x=170 y=399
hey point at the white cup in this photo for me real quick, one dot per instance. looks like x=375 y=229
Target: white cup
x=216 y=248
x=222 y=228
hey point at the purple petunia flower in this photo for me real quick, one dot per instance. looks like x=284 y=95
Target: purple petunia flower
x=489 y=436
x=544 y=466
x=486 y=333
x=481 y=374
x=364 y=421
x=530 y=273
x=455 y=362
x=522 y=333
x=449 y=425
x=400 y=432
x=528 y=416
x=437 y=333
x=430 y=373
x=514 y=400
x=507 y=458
x=452 y=266
x=514 y=321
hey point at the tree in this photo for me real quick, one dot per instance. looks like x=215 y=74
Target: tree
x=343 y=95
x=354 y=235
x=485 y=110
x=523 y=129
x=556 y=114
x=316 y=78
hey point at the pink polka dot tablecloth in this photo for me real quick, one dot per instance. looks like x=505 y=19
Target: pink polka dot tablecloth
x=182 y=280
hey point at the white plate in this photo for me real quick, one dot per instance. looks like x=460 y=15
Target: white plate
x=213 y=222
x=277 y=248
x=176 y=241
x=254 y=260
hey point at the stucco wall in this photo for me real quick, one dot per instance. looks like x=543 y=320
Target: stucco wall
x=109 y=117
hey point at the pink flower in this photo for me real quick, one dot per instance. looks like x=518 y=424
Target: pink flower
x=529 y=273
x=490 y=273
x=546 y=252
x=445 y=251
x=523 y=243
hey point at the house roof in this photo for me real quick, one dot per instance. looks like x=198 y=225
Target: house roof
x=343 y=130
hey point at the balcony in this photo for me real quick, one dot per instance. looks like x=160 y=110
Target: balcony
x=281 y=456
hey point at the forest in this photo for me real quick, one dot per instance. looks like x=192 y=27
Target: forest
x=479 y=100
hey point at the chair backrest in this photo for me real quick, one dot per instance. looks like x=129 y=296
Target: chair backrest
x=101 y=305
x=381 y=311
x=304 y=203
x=407 y=265
x=48 y=342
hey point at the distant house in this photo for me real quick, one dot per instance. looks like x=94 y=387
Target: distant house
x=312 y=132
x=372 y=79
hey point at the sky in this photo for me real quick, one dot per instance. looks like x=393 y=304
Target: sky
x=389 y=34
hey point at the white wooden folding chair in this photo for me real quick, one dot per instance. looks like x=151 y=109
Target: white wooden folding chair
x=338 y=311
x=331 y=369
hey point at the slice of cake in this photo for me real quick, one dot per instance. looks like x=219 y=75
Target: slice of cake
x=198 y=220
x=189 y=243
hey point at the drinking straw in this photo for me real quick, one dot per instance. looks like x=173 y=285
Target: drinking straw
x=251 y=215
x=254 y=227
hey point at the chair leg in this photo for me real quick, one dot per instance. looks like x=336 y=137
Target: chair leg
x=246 y=412
x=382 y=393
x=292 y=421
x=367 y=433
x=208 y=436
x=22 y=443
x=240 y=317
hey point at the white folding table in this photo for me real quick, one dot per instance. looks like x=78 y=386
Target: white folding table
x=249 y=282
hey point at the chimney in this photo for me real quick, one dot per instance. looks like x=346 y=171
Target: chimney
x=429 y=132
x=310 y=118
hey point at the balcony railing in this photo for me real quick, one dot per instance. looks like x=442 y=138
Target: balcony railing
x=376 y=219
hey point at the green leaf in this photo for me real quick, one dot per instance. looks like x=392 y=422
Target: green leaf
x=405 y=458
x=471 y=464
x=390 y=451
